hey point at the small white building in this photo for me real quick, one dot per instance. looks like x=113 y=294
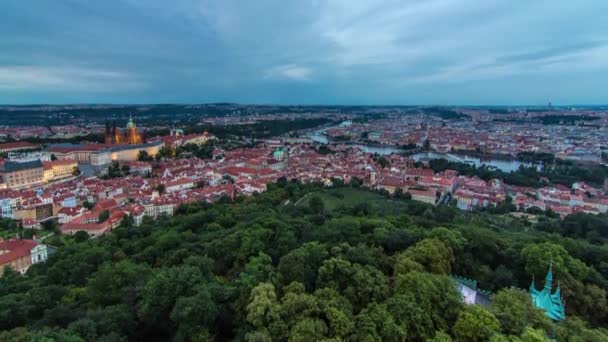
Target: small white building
x=39 y=253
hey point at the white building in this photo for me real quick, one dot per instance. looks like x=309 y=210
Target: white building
x=39 y=253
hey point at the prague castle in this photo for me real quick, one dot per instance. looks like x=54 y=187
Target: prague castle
x=130 y=136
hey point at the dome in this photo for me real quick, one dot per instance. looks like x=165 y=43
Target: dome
x=130 y=124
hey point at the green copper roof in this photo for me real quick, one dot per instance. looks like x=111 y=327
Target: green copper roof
x=552 y=304
x=467 y=282
x=130 y=124
x=278 y=153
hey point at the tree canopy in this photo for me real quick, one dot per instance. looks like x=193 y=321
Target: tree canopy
x=259 y=269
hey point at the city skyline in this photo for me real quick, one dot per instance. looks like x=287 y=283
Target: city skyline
x=326 y=53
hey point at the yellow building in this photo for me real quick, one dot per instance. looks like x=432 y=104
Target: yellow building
x=59 y=168
x=21 y=175
x=88 y=154
x=131 y=152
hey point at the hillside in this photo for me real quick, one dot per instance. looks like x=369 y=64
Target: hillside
x=342 y=264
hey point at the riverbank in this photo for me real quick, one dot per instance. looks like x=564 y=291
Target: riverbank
x=502 y=165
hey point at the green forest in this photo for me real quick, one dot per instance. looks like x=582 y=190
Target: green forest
x=301 y=262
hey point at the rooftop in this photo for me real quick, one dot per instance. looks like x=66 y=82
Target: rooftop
x=14 y=166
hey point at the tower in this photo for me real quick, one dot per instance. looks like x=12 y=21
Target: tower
x=115 y=136
x=108 y=135
x=551 y=303
x=279 y=154
x=131 y=135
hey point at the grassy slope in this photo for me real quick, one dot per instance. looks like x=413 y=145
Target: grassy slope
x=345 y=198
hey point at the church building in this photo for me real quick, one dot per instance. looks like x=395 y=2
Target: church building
x=551 y=303
x=113 y=135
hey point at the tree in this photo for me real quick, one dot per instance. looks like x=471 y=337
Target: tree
x=424 y=303
x=259 y=269
x=375 y=323
x=88 y=205
x=301 y=264
x=405 y=264
x=440 y=336
x=383 y=162
x=103 y=216
x=534 y=335
x=144 y=156
x=360 y=284
x=296 y=305
x=475 y=324
x=414 y=319
x=308 y=329
x=127 y=221
x=272 y=274
x=336 y=310
x=575 y=329
x=191 y=313
x=433 y=254
x=515 y=311
x=263 y=306
x=316 y=205
x=161 y=292
x=115 y=283
x=450 y=237
x=426 y=145
x=81 y=236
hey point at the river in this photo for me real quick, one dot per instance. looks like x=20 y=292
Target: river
x=500 y=164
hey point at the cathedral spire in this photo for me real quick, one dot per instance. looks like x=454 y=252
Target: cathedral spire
x=130 y=124
x=549 y=277
x=532 y=285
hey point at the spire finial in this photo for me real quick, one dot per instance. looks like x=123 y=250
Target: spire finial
x=549 y=277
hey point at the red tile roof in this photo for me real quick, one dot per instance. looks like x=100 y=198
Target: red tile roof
x=14 y=249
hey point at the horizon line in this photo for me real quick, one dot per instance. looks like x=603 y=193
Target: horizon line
x=300 y=104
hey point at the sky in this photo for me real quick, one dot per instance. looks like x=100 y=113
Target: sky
x=351 y=52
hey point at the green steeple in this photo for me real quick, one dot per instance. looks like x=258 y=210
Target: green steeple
x=532 y=286
x=549 y=277
x=552 y=304
x=130 y=124
x=278 y=153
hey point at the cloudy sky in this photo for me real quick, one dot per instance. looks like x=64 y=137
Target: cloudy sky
x=304 y=51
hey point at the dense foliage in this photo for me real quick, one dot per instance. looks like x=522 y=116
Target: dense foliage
x=260 y=129
x=303 y=263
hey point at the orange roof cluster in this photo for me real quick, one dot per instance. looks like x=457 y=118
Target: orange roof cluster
x=14 y=249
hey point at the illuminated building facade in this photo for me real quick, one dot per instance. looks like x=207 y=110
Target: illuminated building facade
x=130 y=136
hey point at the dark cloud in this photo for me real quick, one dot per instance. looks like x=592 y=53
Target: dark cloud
x=288 y=51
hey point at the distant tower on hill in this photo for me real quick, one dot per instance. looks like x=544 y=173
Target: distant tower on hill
x=278 y=154
x=131 y=135
x=113 y=136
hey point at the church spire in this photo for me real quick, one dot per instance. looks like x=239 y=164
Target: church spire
x=549 y=277
x=532 y=285
x=551 y=303
x=130 y=124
